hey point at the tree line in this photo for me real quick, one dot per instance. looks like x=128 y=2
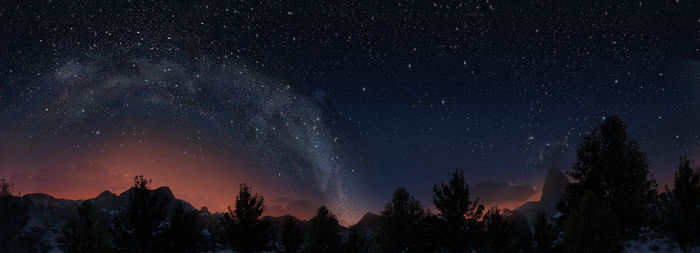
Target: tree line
x=612 y=201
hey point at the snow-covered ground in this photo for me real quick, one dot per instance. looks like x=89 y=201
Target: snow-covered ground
x=655 y=245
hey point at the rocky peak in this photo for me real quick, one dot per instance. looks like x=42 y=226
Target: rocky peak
x=369 y=220
x=108 y=201
x=106 y=195
x=554 y=185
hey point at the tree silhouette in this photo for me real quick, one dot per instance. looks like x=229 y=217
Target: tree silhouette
x=520 y=228
x=612 y=167
x=292 y=236
x=591 y=227
x=498 y=233
x=680 y=208
x=245 y=231
x=83 y=232
x=6 y=187
x=461 y=213
x=356 y=243
x=432 y=233
x=144 y=216
x=14 y=214
x=322 y=232
x=545 y=234
x=399 y=229
x=182 y=234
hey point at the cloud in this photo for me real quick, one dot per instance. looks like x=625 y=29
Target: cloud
x=300 y=208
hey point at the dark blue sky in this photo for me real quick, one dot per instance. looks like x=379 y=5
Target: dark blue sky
x=400 y=92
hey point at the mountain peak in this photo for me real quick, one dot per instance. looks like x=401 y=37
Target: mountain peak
x=106 y=194
x=369 y=220
x=164 y=190
x=554 y=185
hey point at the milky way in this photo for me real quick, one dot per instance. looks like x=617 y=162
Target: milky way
x=232 y=110
x=337 y=102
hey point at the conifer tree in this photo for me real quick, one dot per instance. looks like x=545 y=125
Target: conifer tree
x=322 y=232
x=679 y=208
x=591 y=227
x=292 y=237
x=611 y=166
x=143 y=218
x=462 y=215
x=498 y=233
x=400 y=226
x=245 y=231
x=356 y=243
x=545 y=234
x=181 y=235
x=6 y=187
x=83 y=232
x=14 y=214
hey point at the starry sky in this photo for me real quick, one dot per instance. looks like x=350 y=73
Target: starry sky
x=335 y=102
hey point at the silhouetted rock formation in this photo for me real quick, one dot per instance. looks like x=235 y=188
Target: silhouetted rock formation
x=47 y=215
x=368 y=226
x=108 y=201
x=552 y=191
x=369 y=220
x=554 y=185
x=278 y=222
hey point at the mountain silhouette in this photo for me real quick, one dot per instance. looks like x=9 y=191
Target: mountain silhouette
x=369 y=220
x=553 y=189
x=47 y=215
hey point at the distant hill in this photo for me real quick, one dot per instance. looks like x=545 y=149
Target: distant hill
x=40 y=218
x=46 y=215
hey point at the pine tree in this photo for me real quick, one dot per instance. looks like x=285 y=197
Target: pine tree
x=498 y=233
x=356 y=243
x=181 y=235
x=400 y=226
x=679 y=208
x=613 y=168
x=461 y=214
x=591 y=227
x=143 y=219
x=545 y=234
x=245 y=231
x=6 y=187
x=520 y=228
x=323 y=232
x=83 y=232
x=292 y=237
x=432 y=233
x=14 y=214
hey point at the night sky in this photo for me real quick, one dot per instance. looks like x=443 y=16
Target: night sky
x=334 y=103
